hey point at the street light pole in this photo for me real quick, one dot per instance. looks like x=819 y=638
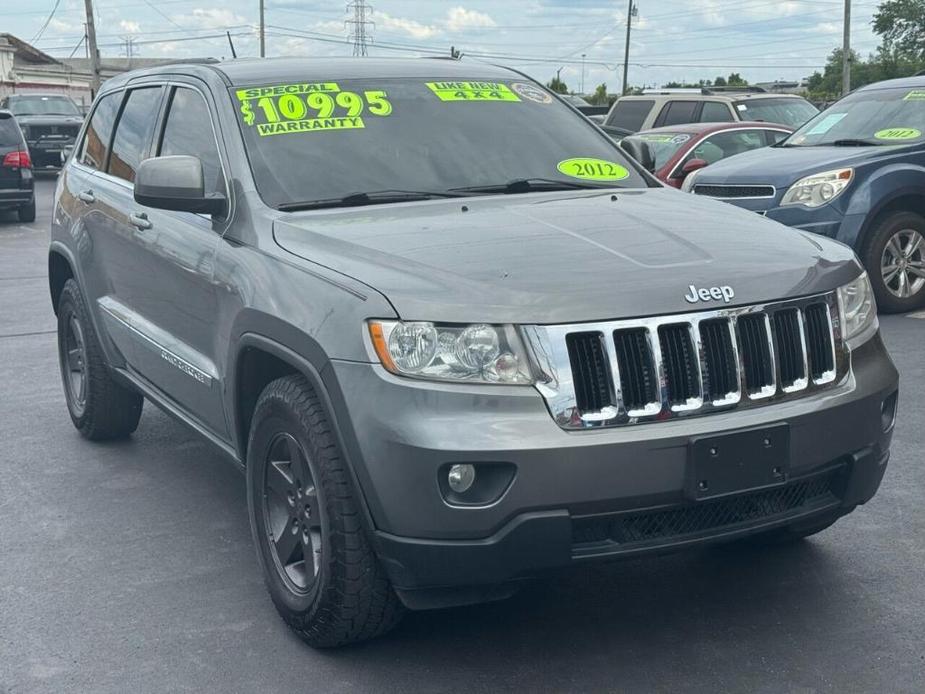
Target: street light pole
x=582 y=73
x=846 y=51
x=630 y=13
x=262 y=32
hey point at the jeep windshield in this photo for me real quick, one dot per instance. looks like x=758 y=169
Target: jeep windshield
x=43 y=106
x=784 y=110
x=371 y=141
x=866 y=118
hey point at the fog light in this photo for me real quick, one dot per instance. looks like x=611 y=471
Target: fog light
x=461 y=478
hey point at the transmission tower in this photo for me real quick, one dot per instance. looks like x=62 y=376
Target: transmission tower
x=358 y=25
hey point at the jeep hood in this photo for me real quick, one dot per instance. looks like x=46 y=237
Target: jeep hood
x=564 y=257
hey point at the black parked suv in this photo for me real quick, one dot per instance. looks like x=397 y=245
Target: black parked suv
x=50 y=123
x=454 y=337
x=16 y=182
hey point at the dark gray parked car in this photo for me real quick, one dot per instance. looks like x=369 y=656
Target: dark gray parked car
x=50 y=123
x=454 y=337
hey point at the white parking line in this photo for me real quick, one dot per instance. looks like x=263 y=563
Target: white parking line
x=920 y=315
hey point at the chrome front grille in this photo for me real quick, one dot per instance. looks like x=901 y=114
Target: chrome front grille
x=651 y=369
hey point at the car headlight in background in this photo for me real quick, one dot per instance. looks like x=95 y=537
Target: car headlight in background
x=477 y=353
x=818 y=189
x=857 y=309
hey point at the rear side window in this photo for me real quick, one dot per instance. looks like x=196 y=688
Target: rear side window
x=188 y=130
x=133 y=133
x=9 y=133
x=630 y=115
x=96 y=139
x=715 y=112
x=677 y=113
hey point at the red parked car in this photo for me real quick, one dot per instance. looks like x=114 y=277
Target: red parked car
x=678 y=150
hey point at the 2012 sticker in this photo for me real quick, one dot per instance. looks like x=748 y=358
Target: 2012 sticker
x=308 y=107
x=898 y=134
x=472 y=91
x=591 y=169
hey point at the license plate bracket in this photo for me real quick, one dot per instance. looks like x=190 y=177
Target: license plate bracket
x=738 y=462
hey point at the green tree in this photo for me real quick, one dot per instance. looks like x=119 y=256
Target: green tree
x=599 y=97
x=719 y=81
x=735 y=80
x=901 y=27
x=557 y=85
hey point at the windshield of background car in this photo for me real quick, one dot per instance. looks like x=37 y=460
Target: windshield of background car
x=323 y=141
x=876 y=117
x=43 y=106
x=792 y=112
x=662 y=146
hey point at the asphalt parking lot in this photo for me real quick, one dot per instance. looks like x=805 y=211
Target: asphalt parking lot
x=129 y=567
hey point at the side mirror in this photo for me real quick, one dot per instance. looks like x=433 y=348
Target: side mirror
x=639 y=150
x=693 y=165
x=175 y=183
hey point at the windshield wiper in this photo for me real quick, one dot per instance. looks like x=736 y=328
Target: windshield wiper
x=526 y=185
x=376 y=197
x=852 y=142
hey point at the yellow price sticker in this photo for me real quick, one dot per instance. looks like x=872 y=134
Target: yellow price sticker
x=308 y=107
x=898 y=134
x=590 y=169
x=472 y=91
x=915 y=95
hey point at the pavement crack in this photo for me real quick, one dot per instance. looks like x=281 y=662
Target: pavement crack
x=37 y=332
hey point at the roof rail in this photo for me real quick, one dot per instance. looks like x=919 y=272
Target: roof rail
x=735 y=90
x=672 y=90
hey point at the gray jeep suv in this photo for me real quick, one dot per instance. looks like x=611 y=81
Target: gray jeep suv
x=451 y=334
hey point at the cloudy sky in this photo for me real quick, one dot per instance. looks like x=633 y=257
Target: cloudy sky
x=671 y=39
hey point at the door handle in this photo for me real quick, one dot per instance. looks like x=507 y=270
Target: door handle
x=86 y=196
x=139 y=220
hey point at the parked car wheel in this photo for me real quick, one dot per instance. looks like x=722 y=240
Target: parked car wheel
x=26 y=212
x=894 y=255
x=319 y=566
x=100 y=408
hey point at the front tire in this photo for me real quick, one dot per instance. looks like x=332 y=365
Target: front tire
x=320 y=569
x=100 y=408
x=894 y=255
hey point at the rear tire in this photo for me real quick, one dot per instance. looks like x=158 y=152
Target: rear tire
x=894 y=255
x=320 y=569
x=100 y=408
x=26 y=212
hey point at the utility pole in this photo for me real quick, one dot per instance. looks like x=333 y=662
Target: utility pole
x=630 y=13
x=94 y=52
x=263 y=27
x=582 y=73
x=359 y=23
x=846 y=51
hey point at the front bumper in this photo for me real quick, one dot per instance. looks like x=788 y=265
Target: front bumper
x=572 y=489
x=827 y=220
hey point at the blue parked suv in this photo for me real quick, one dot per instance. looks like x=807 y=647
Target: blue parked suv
x=856 y=173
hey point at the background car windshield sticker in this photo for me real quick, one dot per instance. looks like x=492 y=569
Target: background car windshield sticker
x=898 y=134
x=472 y=91
x=672 y=139
x=298 y=108
x=915 y=95
x=826 y=124
x=532 y=92
x=593 y=169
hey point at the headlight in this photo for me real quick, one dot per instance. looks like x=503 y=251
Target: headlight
x=818 y=189
x=476 y=353
x=856 y=307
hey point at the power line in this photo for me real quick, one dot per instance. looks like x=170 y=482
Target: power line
x=47 y=21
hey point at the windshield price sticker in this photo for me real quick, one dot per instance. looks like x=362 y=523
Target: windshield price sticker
x=826 y=124
x=593 y=169
x=898 y=134
x=472 y=91
x=296 y=108
x=915 y=95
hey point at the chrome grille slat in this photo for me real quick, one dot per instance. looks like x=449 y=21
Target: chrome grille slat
x=697 y=363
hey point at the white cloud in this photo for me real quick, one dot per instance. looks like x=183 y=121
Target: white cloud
x=410 y=27
x=130 y=26
x=458 y=18
x=211 y=18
